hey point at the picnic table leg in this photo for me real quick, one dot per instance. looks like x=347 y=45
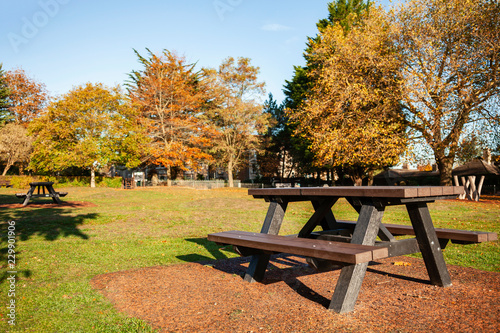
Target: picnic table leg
x=429 y=244
x=53 y=194
x=28 y=195
x=258 y=264
x=322 y=215
x=329 y=222
x=351 y=277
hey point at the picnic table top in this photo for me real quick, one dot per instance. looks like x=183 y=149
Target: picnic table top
x=362 y=191
x=41 y=183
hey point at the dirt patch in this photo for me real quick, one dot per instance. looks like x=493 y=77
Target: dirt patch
x=195 y=297
x=51 y=204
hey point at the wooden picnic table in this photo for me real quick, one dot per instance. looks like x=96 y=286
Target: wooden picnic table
x=51 y=193
x=351 y=243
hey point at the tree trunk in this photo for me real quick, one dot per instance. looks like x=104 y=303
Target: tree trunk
x=358 y=181
x=92 y=176
x=230 y=173
x=356 y=175
x=370 y=178
x=445 y=166
x=7 y=167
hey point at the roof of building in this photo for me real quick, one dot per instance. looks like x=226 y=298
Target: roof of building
x=476 y=168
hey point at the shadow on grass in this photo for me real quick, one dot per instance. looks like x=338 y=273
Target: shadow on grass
x=21 y=224
x=214 y=249
x=9 y=199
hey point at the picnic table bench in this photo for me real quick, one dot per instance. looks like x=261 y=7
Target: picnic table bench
x=5 y=182
x=353 y=244
x=250 y=243
x=51 y=193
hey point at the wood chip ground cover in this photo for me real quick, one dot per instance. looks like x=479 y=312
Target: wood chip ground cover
x=198 y=297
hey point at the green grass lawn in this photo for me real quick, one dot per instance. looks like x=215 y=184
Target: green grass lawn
x=59 y=250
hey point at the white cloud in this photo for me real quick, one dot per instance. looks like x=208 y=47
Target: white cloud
x=275 y=27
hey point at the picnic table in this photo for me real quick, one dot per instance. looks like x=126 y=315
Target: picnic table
x=352 y=244
x=51 y=193
x=5 y=182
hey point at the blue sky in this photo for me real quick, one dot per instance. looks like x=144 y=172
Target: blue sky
x=65 y=43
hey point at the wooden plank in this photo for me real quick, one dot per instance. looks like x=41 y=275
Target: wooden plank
x=451 y=234
x=323 y=249
x=363 y=191
x=436 y=191
x=274 y=191
x=424 y=191
x=450 y=190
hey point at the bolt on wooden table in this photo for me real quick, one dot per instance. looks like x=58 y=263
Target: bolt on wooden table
x=353 y=244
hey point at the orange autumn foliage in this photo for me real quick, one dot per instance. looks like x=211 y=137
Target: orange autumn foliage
x=27 y=98
x=169 y=95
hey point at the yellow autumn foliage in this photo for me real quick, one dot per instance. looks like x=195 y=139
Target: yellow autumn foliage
x=352 y=114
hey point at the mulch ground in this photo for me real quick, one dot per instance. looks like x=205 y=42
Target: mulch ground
x=197 y=297
x=50 y=204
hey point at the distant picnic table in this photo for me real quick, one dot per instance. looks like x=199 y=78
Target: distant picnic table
x=51 y=193
x=5 y=182
x=352 y=244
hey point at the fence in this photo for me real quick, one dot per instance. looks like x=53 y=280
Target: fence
x=211 y=184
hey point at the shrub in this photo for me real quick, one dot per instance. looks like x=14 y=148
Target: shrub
x=109 y=182
x=23 y=182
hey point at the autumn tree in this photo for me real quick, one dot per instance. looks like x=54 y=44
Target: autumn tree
x=4 y=94
x=90 y=127
x=236 y=113
x=15 y=146
x=346 y=13
x=27 y=97
x=170 y=96
x=450 y=53
x=352 y=115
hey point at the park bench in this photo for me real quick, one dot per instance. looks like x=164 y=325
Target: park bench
x=5 y=182
x=247 y=242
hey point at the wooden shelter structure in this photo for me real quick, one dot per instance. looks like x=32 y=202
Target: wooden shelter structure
x=469 y=173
